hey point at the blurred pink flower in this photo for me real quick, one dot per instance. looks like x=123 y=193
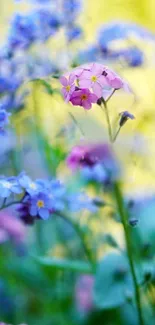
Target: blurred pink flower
x=83 y=97
x=83 y=293
x=11 y=228
x=89 y=155
x=94 y=79
x=68 y=86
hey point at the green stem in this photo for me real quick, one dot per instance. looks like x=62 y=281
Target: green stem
x=116 y=135
x=108 y=121
x=4 y=206
x=80 y=233
x=124 y=218
x=110 y=96
x=39 y=237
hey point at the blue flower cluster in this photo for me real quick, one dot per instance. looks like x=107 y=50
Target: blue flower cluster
x=17 y=64
x=112 y=33
x=71 y=10
x=41 y=198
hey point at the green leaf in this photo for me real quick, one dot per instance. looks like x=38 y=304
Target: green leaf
x=64 y=264
x=113 y=285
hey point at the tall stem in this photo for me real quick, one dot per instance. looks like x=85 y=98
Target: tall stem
x=80 y=233
x=123 y=215
x=108 y=121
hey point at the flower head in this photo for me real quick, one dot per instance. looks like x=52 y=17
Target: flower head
x=94 y=79
x=40 y=205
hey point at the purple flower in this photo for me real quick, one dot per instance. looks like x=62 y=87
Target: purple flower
x=83 y=98
x=40 y=205
x=24 y=214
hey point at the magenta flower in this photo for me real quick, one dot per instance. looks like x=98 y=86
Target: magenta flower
x=68 y=86
x=94 y=79
x=76 y=156
x=83 y=97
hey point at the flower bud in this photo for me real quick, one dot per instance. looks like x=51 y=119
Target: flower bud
x=125 y=116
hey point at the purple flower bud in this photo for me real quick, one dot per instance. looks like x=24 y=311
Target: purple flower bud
x=125 y=116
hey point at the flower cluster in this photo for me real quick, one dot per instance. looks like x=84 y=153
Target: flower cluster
x=37 y=26
x=118 y=41
x=41 y=198
x=88 y=83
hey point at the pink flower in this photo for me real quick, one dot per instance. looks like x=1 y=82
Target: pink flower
x=113 y=80
x=83 y=97
x=11 y=228
x=68 y=86
x=94 y=79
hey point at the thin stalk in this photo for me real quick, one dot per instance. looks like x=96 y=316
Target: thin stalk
x=108 y=121
x=4 y=206
x=110 y=96
x=39 y=238
x=116 y=135
x=80 y=233
x=123 y=215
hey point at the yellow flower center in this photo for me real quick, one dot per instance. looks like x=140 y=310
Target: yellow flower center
x=33 y=186
x=94 y=78
x=84 y=97
x=68 y=88
x=40 y=204
x=7 y=184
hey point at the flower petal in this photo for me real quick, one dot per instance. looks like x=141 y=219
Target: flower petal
x=97 y=89
x=93 y=98
x=44 y=213
x=84 y=83
x=86 y=104
x=72 y=78
x=33 y=210
x=63 y=81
